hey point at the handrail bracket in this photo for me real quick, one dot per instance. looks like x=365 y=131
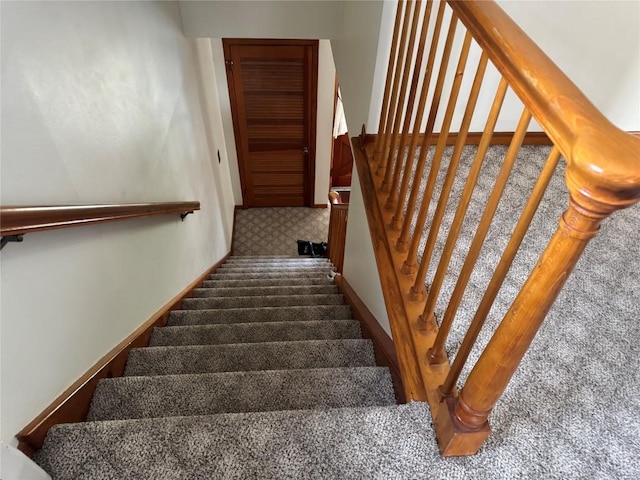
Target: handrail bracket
x=11 y=238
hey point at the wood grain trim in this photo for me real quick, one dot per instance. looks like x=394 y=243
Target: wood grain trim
x=73 y=404
x=473 y=138
x=384 y=349
x=18 y=220
x=319 y=205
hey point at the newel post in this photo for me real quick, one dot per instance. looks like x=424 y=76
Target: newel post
x=597 y=189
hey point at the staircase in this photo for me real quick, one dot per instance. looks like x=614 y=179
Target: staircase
x=263 y=374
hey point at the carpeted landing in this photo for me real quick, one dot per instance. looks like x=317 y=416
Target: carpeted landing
x=263 y=374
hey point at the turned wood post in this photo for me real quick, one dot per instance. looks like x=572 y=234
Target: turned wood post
x=596 y=191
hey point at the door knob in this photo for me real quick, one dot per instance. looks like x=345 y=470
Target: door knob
x=305 y=150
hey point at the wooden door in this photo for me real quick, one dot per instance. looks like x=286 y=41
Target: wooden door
x=273 y=93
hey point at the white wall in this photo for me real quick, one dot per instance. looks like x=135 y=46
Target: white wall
x=596 y=43
x=360 y=267
x=100 y=103
x=217 y=53
x=355 y=50
x=324 y=122
x=310 y=19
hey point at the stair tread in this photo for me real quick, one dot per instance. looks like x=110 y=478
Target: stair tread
x=221 y=275
x=263 y=314
x=263 y=301
x=250 y=356
x=266 y=390
x=267 y=282
x=366 y=442
x=255 y=332
x=264 y=291
x=267 y=267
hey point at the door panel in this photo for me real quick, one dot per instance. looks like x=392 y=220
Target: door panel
x=272 y=85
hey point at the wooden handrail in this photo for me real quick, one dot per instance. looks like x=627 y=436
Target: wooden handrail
x=18 y=220
x=603 y=162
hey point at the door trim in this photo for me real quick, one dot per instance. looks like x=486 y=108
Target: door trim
x=311 y=102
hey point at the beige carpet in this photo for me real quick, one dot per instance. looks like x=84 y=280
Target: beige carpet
x=274 y=231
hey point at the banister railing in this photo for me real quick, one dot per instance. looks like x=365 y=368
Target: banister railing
x=20 y=220
x=406 y=209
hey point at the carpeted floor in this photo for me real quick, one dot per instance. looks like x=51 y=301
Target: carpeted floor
x=274 y=231
x=573 y=407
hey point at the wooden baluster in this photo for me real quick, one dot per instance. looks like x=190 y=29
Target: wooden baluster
x=403 y=240
x=436 y=221
x=408 y=62
x=410 y=263
x=393 y=195
x=461 y=211
x=501 y=272
x=397 y=219
x=436 y=354
x=595 y=192
x=384 y=111
x=393 y=106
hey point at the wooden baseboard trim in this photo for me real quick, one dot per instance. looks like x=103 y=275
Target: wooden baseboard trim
x=473 y=138
x=384 y=349
x=319 y=205
x=73 y=404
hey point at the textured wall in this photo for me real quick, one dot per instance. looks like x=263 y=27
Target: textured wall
x=100 y=103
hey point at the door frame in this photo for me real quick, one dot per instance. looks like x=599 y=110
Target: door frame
x=311 y=103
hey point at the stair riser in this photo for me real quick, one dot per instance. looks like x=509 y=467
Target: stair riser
x=295 y=261
x=269 y=282
x=250 y=315
x=208 y=394
x=264 y=291
x=256 y=302
x=267 y=275
x=255 y=332
x=325 y=270
x=248 y=357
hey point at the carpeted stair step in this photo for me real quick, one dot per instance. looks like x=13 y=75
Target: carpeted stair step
x=255 y=332
x=282 y=261
x=374 y=442
x=264 y=291
x=262 y=301
x=272 y=274
x=271 y=269
x=237 y=392
x=267 y=282
x=265 y=314
x=300 y=263
x=299 y=258
x=250 y=356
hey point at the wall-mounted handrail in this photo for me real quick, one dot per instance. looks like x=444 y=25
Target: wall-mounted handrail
x=19 y=220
